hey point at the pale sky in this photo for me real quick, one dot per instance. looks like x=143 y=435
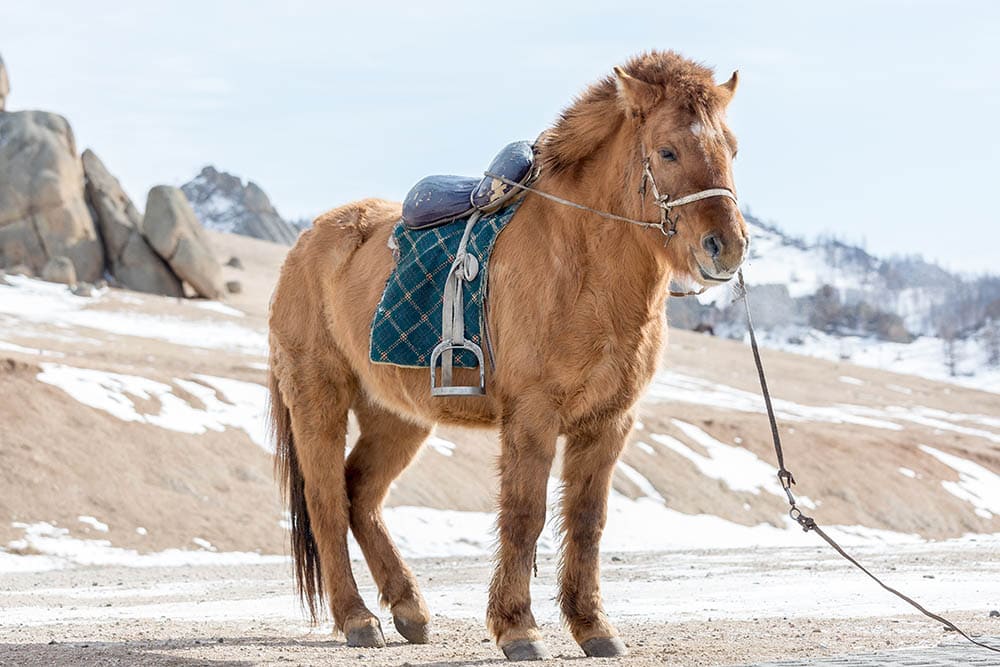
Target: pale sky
x=872 y=121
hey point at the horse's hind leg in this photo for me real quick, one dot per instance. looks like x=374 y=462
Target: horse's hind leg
x=318 y=395
x=386 y=446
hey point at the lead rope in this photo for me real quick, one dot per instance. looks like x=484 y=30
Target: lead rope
x=787 y=480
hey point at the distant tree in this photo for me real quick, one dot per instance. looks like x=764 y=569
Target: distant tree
x=991 y=342
x=948 y=333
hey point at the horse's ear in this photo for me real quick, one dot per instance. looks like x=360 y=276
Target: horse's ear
x=637 y=97
x=729 y=87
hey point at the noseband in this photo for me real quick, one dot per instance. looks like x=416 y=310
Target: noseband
x=667 y=224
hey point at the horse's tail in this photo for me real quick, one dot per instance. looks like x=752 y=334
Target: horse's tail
x=305 y=553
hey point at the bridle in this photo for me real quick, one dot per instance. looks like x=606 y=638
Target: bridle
x=667 y=224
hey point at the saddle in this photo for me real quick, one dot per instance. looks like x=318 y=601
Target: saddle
x=438 y=200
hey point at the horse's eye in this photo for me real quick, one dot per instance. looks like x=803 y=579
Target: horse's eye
x=668 y=155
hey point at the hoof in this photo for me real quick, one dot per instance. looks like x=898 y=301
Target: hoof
x=604 y=647
x=415 y=632
x=525 y=649
x=367 y=636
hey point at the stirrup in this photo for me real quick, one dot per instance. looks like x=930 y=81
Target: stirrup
x=446 y=388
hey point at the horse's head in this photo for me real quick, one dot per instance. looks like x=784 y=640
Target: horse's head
x=677 y=114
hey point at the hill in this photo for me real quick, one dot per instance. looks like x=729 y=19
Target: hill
x=138 y=422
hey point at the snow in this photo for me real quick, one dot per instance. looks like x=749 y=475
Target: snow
x=441 y=446
x=678 y=388
x=241 y=405
x=906 y=472
x=737 y=468
x=847 y=379
x=924 y=357
x=646 y=447
x=36 y=301
x=93 y=523
x=13 y=347
x=674 y=387
x=975 y=484
x=51 y=548
x=216 y=307
x=644 y=485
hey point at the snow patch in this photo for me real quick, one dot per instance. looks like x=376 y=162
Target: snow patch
x=441 y=446
x=114 y=392
x=93 y=523
x=975 y=484
x=644 y=485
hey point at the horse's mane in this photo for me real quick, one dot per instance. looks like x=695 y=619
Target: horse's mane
x=598 y=112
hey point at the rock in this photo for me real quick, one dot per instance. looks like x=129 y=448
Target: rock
x=130 y=259
x=994 y=613
x=84 y=289
x=43 y=212
x=20 y=270
x=4 y=85
x=235 y=262
x=59 y=270
x=224 y=204
x=234 y=287
x=173 y=230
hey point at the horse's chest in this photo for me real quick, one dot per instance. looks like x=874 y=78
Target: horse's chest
x=610 y=370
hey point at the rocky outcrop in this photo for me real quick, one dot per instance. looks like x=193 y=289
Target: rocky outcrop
x=223 y=203
x=173 y=230
x=131 y=260
x=43 y=213
x=59 y=270
x=4 y=85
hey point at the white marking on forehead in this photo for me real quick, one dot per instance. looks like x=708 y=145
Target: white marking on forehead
x=712 y=131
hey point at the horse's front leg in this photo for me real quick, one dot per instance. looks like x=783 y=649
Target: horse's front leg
x=591 y=453
x=528 y=440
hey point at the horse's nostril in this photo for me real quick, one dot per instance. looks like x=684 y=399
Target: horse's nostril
x=712 y=246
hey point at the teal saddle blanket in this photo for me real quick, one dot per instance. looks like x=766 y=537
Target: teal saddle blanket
x=407 y=322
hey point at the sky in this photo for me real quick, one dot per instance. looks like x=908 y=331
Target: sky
x=874 y=122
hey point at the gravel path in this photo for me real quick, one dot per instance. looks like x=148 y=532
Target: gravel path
x=682 y=608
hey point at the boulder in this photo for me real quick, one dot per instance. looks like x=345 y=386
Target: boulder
x=174 y=232
x=43 y=212
x=130 y=259
x=4 y=85
x=59 y=270
x=234 y=287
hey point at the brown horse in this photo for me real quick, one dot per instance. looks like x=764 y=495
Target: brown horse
x=577 y=321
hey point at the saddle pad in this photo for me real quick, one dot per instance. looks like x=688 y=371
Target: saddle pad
x=407 y=322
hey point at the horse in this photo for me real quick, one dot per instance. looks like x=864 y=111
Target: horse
x=577 y=321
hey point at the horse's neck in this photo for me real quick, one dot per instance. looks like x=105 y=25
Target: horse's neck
x=619 y=264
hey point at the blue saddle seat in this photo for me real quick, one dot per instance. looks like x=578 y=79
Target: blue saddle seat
x=438 y=200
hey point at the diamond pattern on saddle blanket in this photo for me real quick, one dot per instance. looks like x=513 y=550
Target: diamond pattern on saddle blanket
x=407 y=322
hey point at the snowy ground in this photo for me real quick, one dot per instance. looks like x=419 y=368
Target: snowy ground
x=682 y=607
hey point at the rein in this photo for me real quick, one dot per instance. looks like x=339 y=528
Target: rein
x=787 y=480
x=666 y=225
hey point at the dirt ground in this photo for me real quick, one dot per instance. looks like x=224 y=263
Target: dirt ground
x=806 y=603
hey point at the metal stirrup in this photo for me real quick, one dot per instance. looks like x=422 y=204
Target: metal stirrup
x=463 y=270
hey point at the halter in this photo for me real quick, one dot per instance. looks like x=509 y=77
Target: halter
x=667 y=225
